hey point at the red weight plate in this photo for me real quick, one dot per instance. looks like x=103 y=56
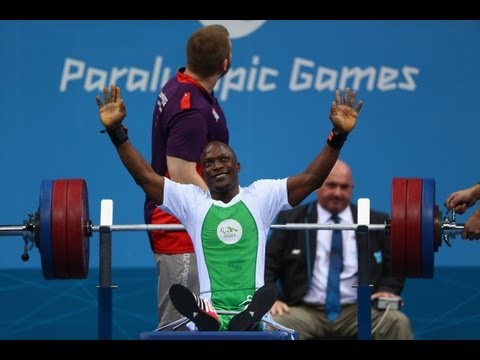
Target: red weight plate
x=59 y=229
x=45 y=224
x=414 y=229
x=78 y=240
x=397 y=226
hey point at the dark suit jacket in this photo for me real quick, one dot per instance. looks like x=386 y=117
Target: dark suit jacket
x=292 y=271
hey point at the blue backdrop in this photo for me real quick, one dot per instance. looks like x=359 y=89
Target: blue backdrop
x=419 y=81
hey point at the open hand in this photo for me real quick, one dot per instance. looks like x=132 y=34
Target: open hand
x=343 y=113
x=112 y=110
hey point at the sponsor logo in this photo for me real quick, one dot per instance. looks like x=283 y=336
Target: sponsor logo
x=229 y=231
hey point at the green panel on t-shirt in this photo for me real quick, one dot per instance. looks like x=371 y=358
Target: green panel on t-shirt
x=230 y=251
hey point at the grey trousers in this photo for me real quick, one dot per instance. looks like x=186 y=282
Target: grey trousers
x=174 y=269
x=311 y=322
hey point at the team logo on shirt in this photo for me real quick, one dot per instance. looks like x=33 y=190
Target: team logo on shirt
x=229 y=231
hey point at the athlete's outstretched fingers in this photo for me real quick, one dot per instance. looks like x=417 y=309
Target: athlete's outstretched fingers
x=337 y=97
x=346 y=97
x=359 y=106
x=334 y=106
x=106 y=97
x=113 y=92
x=99 y=102
x=119 y=94
x=353 y=98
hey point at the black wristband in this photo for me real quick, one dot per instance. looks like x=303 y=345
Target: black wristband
x=118 y=135
x=336 y=140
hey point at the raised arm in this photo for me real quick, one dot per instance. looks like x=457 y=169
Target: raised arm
x=112 y=112
x=343 y=115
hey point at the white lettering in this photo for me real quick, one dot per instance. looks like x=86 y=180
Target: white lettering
x=95 y=79
x=161 y=101
x=305 y=75
x=357 y=74
x=68 y=74
x=229 y=82
x=407 y=71
x=166 y=75
x=141 y=84
x=294 y=85
x=262 y=79
x=330 y=83
x=117 y=74
x=386 y=76
x=252 y=74
x=157 y=67
x=247 y=79
x=91 y=84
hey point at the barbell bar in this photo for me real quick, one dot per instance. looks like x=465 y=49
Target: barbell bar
x=61 y=228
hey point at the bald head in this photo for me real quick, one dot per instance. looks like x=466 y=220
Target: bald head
x=336 y=192
x=341 y=169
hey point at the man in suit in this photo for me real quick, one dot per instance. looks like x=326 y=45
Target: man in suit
x=298 y=262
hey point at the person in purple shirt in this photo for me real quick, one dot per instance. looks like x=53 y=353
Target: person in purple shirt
x=186 y=117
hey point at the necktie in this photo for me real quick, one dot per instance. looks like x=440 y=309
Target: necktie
x=332 y=303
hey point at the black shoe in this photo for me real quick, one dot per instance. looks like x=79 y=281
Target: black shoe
x=196 y=309
x=262 y=301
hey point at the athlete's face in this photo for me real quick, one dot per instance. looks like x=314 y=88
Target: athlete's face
x=220 y=167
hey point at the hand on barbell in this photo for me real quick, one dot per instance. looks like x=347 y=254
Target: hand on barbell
x=471 y=229
x=343 y=113
x=461 y=200
x=112 y=109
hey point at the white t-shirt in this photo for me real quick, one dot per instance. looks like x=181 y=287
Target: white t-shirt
x=229 y=239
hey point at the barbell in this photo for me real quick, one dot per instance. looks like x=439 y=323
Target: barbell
x=61 y=228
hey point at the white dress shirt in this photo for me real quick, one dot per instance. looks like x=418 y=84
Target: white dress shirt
x=348 y=277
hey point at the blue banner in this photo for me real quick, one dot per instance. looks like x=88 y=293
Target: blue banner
x=419 y=81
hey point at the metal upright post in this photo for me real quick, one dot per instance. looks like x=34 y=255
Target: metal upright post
x=364 y=290
x=364 y=314
x=105 y=286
